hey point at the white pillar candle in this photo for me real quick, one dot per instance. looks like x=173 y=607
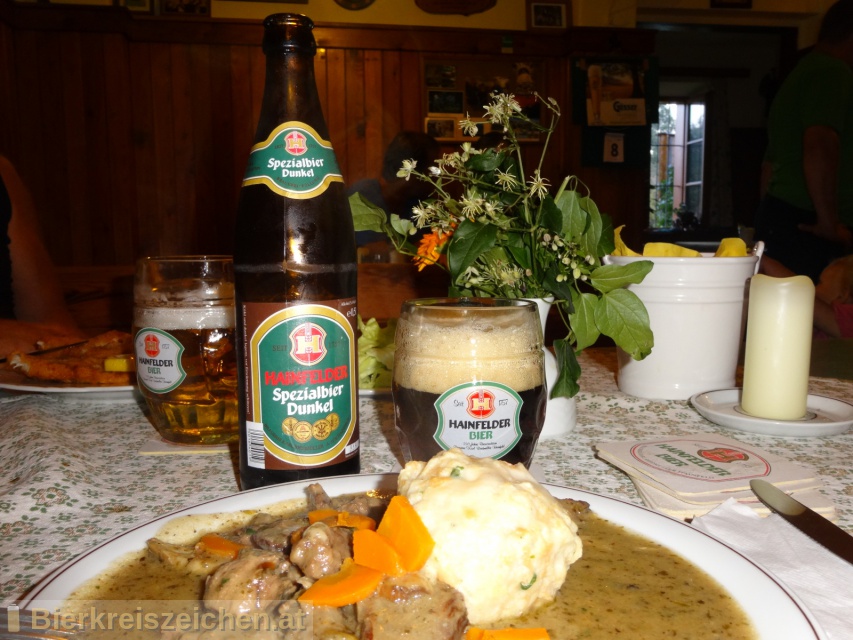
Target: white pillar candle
x=778 y=347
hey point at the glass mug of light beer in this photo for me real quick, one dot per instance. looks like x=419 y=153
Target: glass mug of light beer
x=469 y=374
x=183 y=329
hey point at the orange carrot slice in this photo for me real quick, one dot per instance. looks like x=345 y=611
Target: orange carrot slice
x=329 y=516
x=351 y=584
x=216 y=544
x=402 y=525
x=355 y=521
x=373 y=550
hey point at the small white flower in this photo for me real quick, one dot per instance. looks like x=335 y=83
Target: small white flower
x=576 y=273
x=407 y=168
x=537 y=185
x=435 y=171
x=506 y=180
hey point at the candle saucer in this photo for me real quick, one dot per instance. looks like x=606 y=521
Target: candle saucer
x=824 y=416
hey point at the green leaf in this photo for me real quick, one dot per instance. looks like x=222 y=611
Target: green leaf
x=560 y=290
x=569 y=371
x=582 y=321
x=403 y=226
x=554 y=219
x=366 y=216
x=608 y=277
x=375 y=353
x=469 y=241
x=574 y=219
x=607 y=242
x=485 y=162
x=621 y=315
x=592 y=231
x=514 y=244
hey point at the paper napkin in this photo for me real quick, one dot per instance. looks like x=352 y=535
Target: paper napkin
x=822 y=580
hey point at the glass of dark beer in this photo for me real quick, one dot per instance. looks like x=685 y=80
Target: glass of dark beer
x=183 y=328
x=469 y=374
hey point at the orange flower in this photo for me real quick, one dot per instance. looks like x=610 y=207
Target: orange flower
x=429 y=249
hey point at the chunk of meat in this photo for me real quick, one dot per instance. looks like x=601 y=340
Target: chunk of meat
x=269 y=532
x=185 y=557
x=321 y=550
x=256 y=581
x=317 y=497
x=320 y=623
x=409 y=606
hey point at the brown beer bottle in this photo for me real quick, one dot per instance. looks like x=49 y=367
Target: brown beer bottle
x=295 y=281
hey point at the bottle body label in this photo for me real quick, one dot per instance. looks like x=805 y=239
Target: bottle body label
x=482 y=419
x=301 y=396
x=294 y=161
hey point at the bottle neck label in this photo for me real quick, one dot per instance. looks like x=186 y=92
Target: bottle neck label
x=294 y=161
x=301 y=404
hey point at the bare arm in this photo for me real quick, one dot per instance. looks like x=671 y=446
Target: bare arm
x=37 y=293
x=821 y=158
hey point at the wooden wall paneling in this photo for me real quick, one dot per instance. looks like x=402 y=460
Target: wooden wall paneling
x=374 y=114
x=119 y=122
x=223 y=190
x=167 y=230
x=73 y=95
x=242 y=127
x=204 y=103
x=144 y=152
x=183 y=226
x=259 y=71
x=354 y=96
x=9 y=139
x=411 y=89
x=335 y=107
x=392 y=97
x=40 y=117
x=98 y=215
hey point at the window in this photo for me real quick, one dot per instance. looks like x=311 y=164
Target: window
x=677 y=165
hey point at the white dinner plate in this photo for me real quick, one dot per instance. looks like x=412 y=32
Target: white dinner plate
x=775 y=613
x=14 y=381
x=367 y=393
x=825 y=416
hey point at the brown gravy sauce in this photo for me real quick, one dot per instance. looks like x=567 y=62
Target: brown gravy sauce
x=624 y=586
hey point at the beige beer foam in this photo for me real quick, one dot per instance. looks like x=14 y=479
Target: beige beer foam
x=175 y=318
x=434 y=358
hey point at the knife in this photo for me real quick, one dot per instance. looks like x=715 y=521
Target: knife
x=51 y=350
x=813 y=525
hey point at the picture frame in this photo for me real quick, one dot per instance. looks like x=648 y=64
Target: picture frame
x=551 y=16
x=184 y=8
x=138 y=6
x=444 y=127
x=731 y=4
x=443 y=101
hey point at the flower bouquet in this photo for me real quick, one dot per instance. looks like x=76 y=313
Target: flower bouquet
x=499 y=232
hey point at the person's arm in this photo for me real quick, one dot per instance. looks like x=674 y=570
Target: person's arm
x=36 y=289
x=825 y=318
x=821 y=158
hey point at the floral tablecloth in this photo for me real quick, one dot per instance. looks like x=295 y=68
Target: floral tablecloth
x=71 y=475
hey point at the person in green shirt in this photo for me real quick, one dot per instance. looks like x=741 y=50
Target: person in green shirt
x=806 y=216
